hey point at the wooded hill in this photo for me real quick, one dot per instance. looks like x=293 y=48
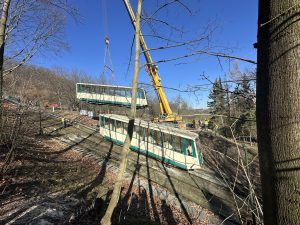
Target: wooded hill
x=36 y=85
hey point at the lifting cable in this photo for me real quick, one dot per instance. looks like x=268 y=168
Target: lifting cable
x=107 y=64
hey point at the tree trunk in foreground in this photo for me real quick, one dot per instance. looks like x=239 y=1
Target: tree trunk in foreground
x=3 y=23
x=278 y=109
x=106 y=220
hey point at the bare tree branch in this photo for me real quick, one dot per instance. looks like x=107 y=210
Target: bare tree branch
x=199 y=52
x=177 y=45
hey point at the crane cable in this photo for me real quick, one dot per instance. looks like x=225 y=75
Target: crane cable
x=104 y=16
x=107 y=64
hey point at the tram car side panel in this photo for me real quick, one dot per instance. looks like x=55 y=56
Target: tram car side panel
x=109 y=94
x=178 y=150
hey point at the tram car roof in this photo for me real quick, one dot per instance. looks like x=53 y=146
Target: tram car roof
x=109 y=86
x=154 y=126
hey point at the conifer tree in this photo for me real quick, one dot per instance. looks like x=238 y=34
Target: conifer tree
x=243 y=99
x=217 y=98
x=216 y=103
x=227 y=105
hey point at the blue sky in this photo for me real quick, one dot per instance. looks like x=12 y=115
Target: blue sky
x=234 y=24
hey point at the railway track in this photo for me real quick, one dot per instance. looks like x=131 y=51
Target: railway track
x=201 y=186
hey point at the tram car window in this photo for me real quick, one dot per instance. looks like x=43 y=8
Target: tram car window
x=141 y=133
x=176 y=144
x=166 y=139
x=119 y=127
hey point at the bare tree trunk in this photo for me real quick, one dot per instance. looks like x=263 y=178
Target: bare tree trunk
x=3 y=23
x=278 y=107
x=106 y=220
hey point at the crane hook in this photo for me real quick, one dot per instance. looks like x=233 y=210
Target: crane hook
x=106 y=40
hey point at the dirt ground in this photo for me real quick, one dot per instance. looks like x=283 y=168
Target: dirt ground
x=50 y=183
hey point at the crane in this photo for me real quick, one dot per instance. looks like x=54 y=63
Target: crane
x=165 y=109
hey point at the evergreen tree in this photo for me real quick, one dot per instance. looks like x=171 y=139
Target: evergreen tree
x=217 y=98
x=228 y=119
x=244 y=104
x=216 y=104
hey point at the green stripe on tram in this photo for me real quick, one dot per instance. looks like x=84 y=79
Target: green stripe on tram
x=108 y=102
x=136 y=149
